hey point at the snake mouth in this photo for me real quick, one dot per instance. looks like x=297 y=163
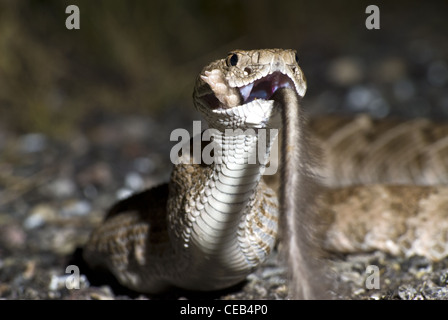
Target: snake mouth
x=265 y=87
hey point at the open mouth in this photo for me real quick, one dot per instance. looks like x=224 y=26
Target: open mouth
x=265 y=87
x=262 y=89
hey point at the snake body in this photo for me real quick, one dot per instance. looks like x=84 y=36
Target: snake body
x=213 y=224
x=361 y=150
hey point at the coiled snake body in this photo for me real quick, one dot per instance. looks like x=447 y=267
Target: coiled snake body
x=214 y=223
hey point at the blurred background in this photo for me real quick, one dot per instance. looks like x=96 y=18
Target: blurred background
x=142 y=57
x=85 y=115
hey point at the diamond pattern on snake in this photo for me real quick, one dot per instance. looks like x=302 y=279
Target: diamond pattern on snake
x=344 y=185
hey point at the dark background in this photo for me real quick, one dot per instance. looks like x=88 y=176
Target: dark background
x=142 y=57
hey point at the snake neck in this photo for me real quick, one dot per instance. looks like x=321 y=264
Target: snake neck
x=223 y=218
x=223 y=223
x=219 y=220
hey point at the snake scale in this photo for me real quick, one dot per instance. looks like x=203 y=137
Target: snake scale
x=214 y=223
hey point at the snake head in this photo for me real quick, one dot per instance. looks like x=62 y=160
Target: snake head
x=244 y=83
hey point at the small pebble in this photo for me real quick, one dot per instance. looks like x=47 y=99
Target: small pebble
x=359 y=97
x=62 y=187
x=379 y=108
x=54 y=295
x=272 y=272
x=134 y=181
x=354 y=277
x=375 y=296
x=68 y=281
x=38 y=216
x=33 y=142
x=439 y=293
x=419 y=296
x=359 y=291
x=104 y=293
x=99 y=173
x=144 y=165
x=98 y=296
x=345 y=71
x=33 y=221
x=90 y=191
x=389 y=69
x=30 y=269
x=4 y=288
x=367 y=99
x=12 y=236
x=443 y=279
x=406 y=292
x=135 y=128
x=123 y=193
x=76 y=208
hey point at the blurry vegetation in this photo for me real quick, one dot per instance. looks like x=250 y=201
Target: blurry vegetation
x=141 y=57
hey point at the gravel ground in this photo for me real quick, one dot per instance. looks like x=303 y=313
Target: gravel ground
x=59 y=192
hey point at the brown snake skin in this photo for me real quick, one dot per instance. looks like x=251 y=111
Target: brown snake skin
x=383 y=191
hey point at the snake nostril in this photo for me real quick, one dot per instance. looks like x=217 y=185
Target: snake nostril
x=247 y=71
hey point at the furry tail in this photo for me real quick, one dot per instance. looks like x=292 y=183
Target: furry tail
x=298 y=190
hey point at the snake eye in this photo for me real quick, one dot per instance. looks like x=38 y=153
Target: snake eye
x=232 y=60
x=297 y=58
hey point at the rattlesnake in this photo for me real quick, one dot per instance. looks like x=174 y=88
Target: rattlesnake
x=215 y=223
